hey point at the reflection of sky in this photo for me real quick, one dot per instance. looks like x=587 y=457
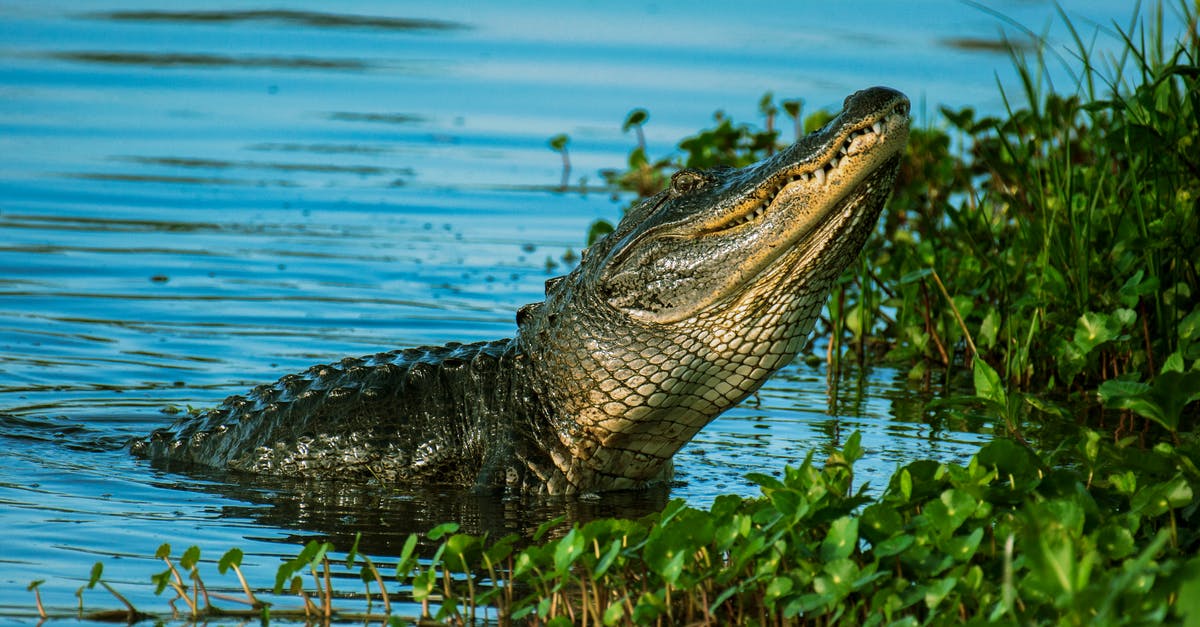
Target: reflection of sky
x=798 y=412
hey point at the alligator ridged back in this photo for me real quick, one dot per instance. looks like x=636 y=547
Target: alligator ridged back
x=419 y=415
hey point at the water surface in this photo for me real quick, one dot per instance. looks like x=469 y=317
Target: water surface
x=199 y=197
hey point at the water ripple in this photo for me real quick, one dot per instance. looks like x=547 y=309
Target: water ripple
x=282 y=16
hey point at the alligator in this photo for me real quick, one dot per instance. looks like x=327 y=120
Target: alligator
x=699 y=294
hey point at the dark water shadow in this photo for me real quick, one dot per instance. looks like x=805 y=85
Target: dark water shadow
x=212 y=60
x=999 y=45
x=282 y=16
x=222 y=164
x=385 y=516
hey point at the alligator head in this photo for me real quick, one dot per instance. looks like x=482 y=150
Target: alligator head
x=699 y=295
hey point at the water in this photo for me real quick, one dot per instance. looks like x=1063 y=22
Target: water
x=200 y=199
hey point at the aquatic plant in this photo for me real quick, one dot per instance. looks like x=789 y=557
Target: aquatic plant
x=558 y=144
x=1095 y=532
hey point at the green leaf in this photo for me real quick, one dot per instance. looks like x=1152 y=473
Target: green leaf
x=766 y=482
x=1091 y=446
x=664 y=554
x=778 y=587
x=315 y=552
x=423 y=584
x=547 y=526
x=161 y=580
x=1173 y=363
x=598 y=230
x=989 y=329
x=164 y=551
x=807 y=603
x=1134 y=288
x=962 y=548
x=838 y=580
x=1094 y=329
x=988 y=385
x=841 y=540
x=951 y=509
x=893 y=546
x=791 y=504
x=437 y=532
x=1113 y=391
x=853 y=450
x=462 y=553
x=615 y=612
x=671 y=570
x=1189 y=327
x=97 y=572
x=405 y=563
x=606 y=560
x=501 y=549
x=1115 y=541
x=1158 y=499
x=232 y=557
x=1188 y=606
x=352 y=554
x=190 y=558
x=637 y=117
x=1162 y=400
x=648 y=608
x=568 y=549
x=938 y=590
x=1013 y=462
x=880 y=522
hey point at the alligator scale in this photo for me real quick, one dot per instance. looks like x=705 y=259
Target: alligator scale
x=698 y=296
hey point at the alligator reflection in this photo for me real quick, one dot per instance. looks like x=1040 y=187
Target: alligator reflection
x=385 y=516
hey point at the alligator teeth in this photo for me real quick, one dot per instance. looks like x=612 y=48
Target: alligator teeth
x=877 y=127
x=819 y=174
x=833 y=163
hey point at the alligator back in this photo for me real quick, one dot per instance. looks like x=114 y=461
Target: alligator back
x=425 y=415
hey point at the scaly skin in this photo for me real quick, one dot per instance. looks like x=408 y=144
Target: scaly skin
x=698 y=296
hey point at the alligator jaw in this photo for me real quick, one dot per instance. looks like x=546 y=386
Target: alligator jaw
x=732 y=225
x=822 y=182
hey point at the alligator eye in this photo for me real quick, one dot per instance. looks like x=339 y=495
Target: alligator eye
x=686 y=180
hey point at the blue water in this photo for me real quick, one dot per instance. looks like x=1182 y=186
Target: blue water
x=189 y=207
